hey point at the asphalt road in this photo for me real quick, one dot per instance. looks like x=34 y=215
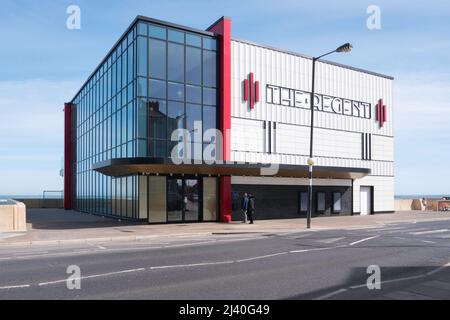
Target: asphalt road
x=412 y=258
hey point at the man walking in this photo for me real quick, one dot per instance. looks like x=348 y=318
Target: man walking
x=251 y=207
x=244 y=207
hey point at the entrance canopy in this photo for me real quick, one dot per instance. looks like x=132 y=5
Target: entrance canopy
x=129 y=166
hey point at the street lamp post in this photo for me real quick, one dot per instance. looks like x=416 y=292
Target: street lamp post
x=344 y=48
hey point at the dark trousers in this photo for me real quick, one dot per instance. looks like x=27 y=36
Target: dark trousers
x=250 y=215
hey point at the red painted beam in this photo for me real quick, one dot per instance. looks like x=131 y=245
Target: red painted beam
x=223 y=28
x=67 y=157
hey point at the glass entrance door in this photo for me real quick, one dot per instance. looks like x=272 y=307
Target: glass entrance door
x=183 y=200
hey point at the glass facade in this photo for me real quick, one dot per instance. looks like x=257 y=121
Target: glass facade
x=156 y=79
x=177 y=87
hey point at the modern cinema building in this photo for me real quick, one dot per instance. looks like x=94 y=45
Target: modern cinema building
x=141 y=144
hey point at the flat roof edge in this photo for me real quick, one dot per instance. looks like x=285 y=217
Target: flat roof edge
x=129 y=28
x=310 y=58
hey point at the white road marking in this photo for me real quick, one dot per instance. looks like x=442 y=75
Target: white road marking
x=15 y=287
x=315 y=249
x=262 y=257
x=329 y=295
x=390 y=229
x=330 y=240
x=429 y=232
x=428 y=241
x=191 y=265
x=92 y=276
x=406 y=278
x=362 y=240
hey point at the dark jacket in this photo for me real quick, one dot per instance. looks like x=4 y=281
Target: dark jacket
x=251 y=204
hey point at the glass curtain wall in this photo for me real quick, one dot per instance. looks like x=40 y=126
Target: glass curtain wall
x=156 y=79
x=105 y=112
x=176 y=86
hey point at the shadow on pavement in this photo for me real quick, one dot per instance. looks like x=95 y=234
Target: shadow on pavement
x=59 y=219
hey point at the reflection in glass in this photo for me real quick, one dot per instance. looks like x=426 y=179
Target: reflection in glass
x=174 y=200
x=175 y=91
x=157 y=119
x=142 y=59
x=209 y=96
x=193 y=40
x=209 y=68
x=175 y=62
x=156 y=89
x=193 y=94
x=176 y=36
x=193 y=66
x=157 y=32
x=191 y=200
x=157 y=58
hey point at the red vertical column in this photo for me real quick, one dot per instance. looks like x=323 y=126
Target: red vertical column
x=67 y=157
x=223 y=28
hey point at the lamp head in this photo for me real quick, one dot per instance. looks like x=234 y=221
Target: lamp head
x=347 y=47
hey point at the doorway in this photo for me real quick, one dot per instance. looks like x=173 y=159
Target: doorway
x=366 y=200
x=183 y=200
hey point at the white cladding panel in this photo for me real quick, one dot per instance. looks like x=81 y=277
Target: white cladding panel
x=382 y=148
x=337 y=137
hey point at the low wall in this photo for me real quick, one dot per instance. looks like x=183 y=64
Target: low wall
x=42 y=203
x=416 y=204
x=12 y=216
x=407 y=204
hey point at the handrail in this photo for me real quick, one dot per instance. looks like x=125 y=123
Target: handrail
x=61 y=192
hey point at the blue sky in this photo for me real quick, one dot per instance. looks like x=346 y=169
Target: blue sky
x=43 y=64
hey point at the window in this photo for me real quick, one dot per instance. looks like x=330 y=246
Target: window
x=175 y=91
x=210 y=44
x=142 y=87
x=193 y=65
x=209 y=96
x=194 y=114
x=320 y=202
x=142 y=54
x=176 y=117
x=209 y=122
x=209 y=68
x=175 y=62
x=157 y=32
x=337 y=202
x=157 y=110
x=193 y=40
x=193 y=94
x=176 y=36
x=142 y=29
x=157 y=89
x=303 y=201
x=157 y=58
x=194 y=127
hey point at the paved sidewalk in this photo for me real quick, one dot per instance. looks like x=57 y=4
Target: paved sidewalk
x=55 y=226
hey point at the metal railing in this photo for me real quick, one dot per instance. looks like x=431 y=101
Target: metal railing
x=52 y=202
